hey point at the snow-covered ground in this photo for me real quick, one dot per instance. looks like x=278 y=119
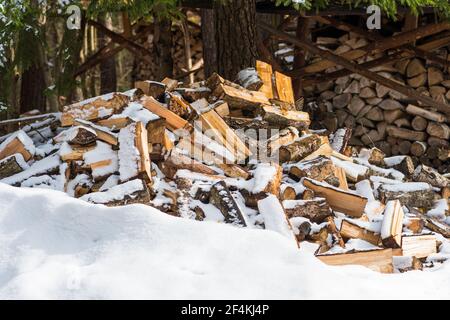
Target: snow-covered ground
x=55 y=247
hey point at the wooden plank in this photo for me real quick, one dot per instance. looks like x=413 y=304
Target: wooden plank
x=265 y=73
x=284 y=88
x=377 y=260
x=391 y=228
x=338 y=199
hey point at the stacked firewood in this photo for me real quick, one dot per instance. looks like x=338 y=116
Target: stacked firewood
x=240 y=153
x=382 y=117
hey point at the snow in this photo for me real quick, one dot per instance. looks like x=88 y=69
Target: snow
x=352 y=169
x=386 y=226
x=136 y=112
x=129 y=156
x=19 y=160
x=115 y=193
x=393 y=161
x=102 y=152
x=70 y=134
x=57 y=247
x=406 y=187
x=264 y=174
x=38 y=168
x=439 y=210
x=275 y=218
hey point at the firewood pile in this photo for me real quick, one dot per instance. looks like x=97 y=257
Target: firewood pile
x=240 y=153
x=382 y=117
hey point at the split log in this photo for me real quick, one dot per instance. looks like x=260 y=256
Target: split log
x=176 y=161
x=180 y=107
x=320 y=237
x=94 y=108
x=377 y=260
x=115 y=123
x=287 y=192
x=265 y=73
x=413 y=194
x=284 y=137
x=134 y=191
x=174 y=122
x=221 y=197
x=74 y=153
x=340 y=139
x=415 y=224
x=299 y=149
x=391 y=228
x=19 y=142
x=318 y=169
x=316 y=210
x=12 y=165
x=234 y=171
x=335 y=232
x=194 y=94
x=439 y=130
x=419 y=246
x=78 y=135
x=275 y=218
x=151 y=88
x=406 y=134
x=249 y=79
x=267 y=179
x=430 y=176
x=102 y=133
x=350 y=230
x=238 y=99
x=284 y=119
x=171 y=84
x=339 y=200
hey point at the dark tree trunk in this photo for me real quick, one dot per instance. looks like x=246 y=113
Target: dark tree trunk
x=299 y=55
x=209 y=42
x=32 y=95
x=108 y=77
x=162 y=47
x=236 y=36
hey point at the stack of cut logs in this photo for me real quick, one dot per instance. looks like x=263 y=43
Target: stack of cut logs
x=382 y=117
x=362 y=207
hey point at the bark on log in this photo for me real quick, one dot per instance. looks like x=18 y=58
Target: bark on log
x=222 y=198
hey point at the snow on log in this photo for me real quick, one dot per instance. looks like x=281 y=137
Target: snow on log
x=19 y=142
x=249 y=79
x=430 y=176
x=78 y=135
x=351 y=230
x=151 y=88
x=316 y=210
x=413 y=194
x=283 y=119
x=338 y=199
x=94 y=108
x=177 y=161
x=391 y=228
x=266 y=179
x=102 y=160
x=103 y=133
x=134 y=191
x=299 y=149
x=275 y=218
x=318 y=169
x=12 y=165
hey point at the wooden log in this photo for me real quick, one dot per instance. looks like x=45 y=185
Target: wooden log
x=283 y=85
x=12 y=165
x=377 y=260
x=350 y=230
x=283 y=119
x=115 y=123
x=275 y=218
x=94 y=108
x=238 y=99
x=340 y=139
x=335 y=232
x=283 y=137
x=221 y=197
x=267 y=179
x=419 y=246
x=411 y=194
x=418 y=148
x=430 y=176
x=151 y=88
x=419 y=123
x=427 y=114
x=404 y=147
x=176 y=161
x=171 y=84
x=391 y=228
x=316 y=210
x=249 y=79
x=299 y=149
x=318 y=169
x=287 y=192
x=79 y=135
x=74 y=153
x=339 y=200
x=439 y=130
x=265 y=72
x=405 y=165
x=19 y=142
x=103 y=134
x=415 y=224
x=174 y=122
x=406 y=134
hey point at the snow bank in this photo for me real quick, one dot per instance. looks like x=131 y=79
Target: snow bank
x=53 y=246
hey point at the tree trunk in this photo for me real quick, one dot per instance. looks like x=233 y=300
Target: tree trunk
x=235 y=28
x=162 y=48
x=299 y=57
x=108 y=78
x=209 y=42
x=32 y=90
